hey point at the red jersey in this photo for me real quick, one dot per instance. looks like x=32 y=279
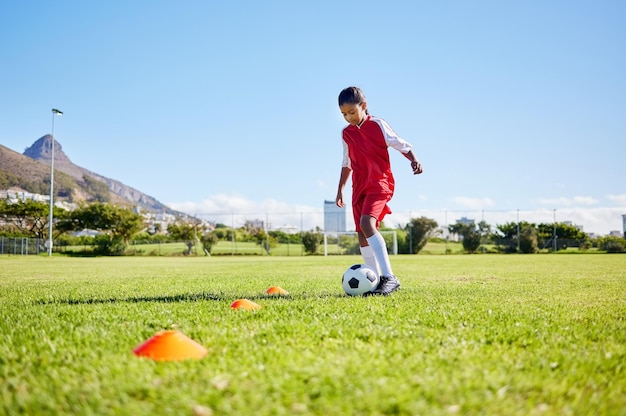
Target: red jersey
x=365 y=152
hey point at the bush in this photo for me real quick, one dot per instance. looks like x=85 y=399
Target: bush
x=350 y=244
x=311 y=241
x=208 y=241
x=107 y=246
x=419 y=230
x=613 y=245
x=528 y=242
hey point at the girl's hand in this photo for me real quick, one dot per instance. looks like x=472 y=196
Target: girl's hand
x=339 y=200
x=417 y=167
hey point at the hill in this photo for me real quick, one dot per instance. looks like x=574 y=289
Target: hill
x=30 y=172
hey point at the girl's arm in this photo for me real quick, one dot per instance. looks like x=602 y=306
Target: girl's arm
x=415 y=164
x=343 y=179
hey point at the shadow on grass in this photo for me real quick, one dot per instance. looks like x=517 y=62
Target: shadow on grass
x=184 y=297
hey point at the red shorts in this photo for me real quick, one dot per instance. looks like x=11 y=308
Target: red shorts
x=374 y=205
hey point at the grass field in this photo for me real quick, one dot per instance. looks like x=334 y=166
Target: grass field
x=482 y=334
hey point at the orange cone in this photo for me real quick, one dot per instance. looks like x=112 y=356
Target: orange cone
x=276 y=290
x=245 y=304
x=170 y=346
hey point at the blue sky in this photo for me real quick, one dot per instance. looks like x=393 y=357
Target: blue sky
x=231 y=106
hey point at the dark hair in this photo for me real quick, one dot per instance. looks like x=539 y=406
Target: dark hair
x=351 y=95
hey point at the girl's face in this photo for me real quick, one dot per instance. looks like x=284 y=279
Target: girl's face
x=354 y=113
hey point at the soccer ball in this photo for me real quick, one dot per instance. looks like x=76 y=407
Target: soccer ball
x=359 y=279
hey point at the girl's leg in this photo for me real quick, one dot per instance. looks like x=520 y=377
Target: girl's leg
x=368 y=256
x=377 y=244
x=373 y=208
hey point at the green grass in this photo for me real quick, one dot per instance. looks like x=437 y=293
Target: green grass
x=484 y=334
x=451 y=247
x=221 y=248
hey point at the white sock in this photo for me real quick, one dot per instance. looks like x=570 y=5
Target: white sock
x=369 y=258
x=379 y=248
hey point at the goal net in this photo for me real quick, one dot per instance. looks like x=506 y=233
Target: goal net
x=345 y=243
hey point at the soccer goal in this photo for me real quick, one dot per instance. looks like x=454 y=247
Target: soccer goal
x=342 y=243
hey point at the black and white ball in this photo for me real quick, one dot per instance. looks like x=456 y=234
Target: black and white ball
x=359 y=279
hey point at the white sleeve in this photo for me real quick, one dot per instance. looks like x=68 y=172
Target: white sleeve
x=346 y=157
x=391 y=138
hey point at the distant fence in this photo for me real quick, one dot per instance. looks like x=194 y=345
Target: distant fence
x=332 y=244
x=298 y=222
x=21 y=246
x=293 y=222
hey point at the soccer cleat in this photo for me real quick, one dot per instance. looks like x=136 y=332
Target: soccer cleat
x=387 y=285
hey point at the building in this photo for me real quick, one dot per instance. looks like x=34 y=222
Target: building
x=457 y=237
x=578 y=227
x=465 y=220
x=334 y=218
x=288 y=229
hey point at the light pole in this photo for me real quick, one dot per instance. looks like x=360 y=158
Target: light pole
x=55 y=112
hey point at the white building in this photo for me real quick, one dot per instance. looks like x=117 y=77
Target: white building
x=288 y=229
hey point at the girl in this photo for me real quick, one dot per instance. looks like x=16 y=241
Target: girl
x=365 y=156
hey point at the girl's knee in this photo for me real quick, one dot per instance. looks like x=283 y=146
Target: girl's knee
x=368 y=225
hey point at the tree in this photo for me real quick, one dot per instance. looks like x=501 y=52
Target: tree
x=265 y=240
x=471 y=234
x=566 y=235
x=208 y=240
x=285 y=238
x=311 y=240
x=522 y=236
x=223 y=232
x=117 y=224
x=419 y=231
x=528 y=242
x=29 y=217
x=181 y=230
x=612 y=244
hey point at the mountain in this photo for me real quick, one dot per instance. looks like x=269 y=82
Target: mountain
x=30 y=172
